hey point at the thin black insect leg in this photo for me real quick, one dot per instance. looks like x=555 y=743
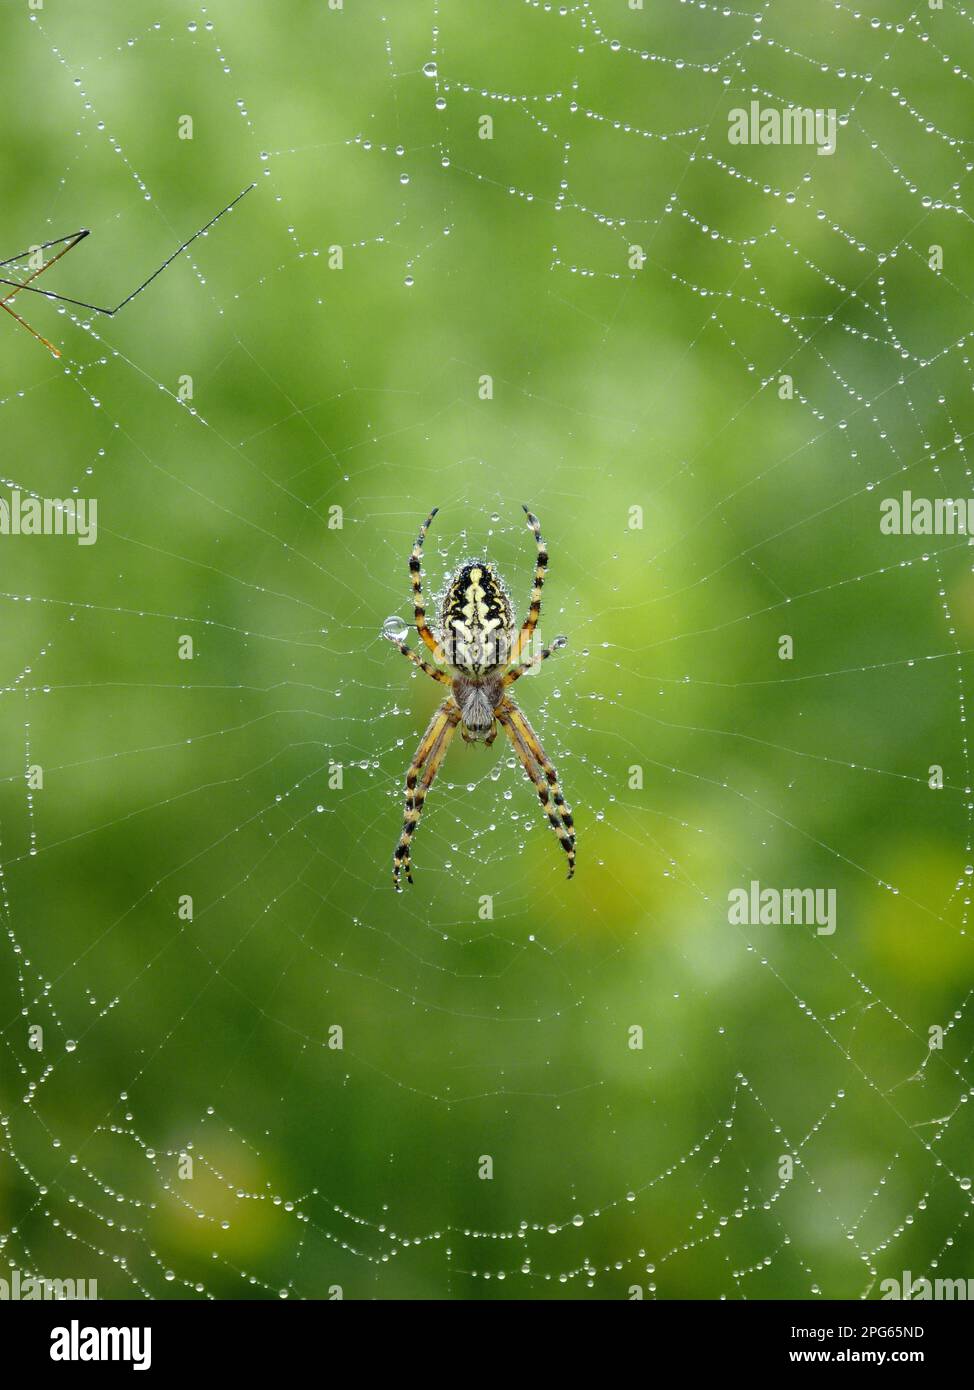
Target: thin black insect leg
x=69 y=244
x=100 y=309
x=72 y=237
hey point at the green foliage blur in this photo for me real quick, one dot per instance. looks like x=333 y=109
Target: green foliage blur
x=624 y=385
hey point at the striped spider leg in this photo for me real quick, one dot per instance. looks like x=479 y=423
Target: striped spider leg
x=541 y=770
x=416 y=578
x=419 y=779
x=534 y=611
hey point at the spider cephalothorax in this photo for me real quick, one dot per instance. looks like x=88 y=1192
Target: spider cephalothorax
x=481 y=649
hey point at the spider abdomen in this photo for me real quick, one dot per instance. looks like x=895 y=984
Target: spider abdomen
x=477 y=619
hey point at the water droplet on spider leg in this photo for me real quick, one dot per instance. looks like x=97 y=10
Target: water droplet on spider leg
x=394 y=629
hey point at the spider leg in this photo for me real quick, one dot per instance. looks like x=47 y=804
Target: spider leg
x=424 y=666
x=516 y=672
x=541 y=770
x=416 y=575
x=423 y=768
x=534 y=612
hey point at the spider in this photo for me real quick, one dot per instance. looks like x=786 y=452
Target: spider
x=68 y=243
x=479 y=646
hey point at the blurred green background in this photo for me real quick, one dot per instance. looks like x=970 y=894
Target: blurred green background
x=263 y=778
